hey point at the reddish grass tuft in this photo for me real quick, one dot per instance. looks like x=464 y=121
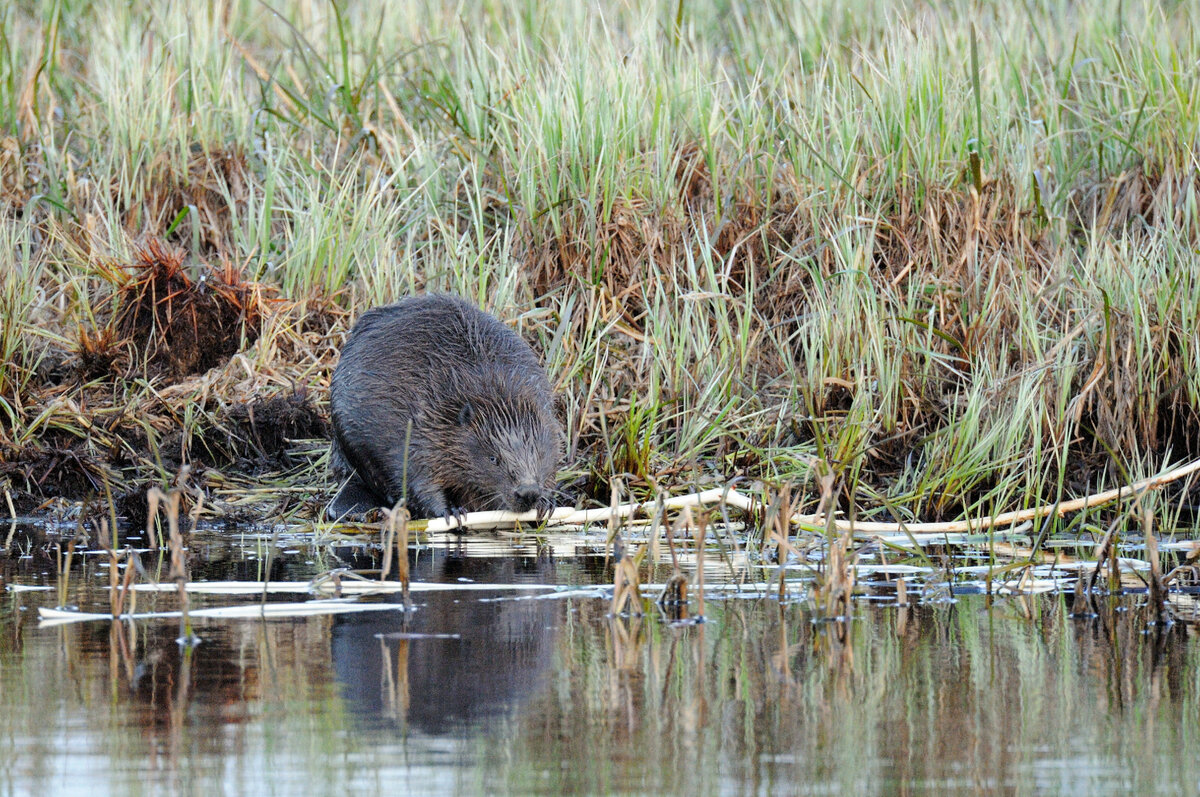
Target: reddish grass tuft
x=179 y=325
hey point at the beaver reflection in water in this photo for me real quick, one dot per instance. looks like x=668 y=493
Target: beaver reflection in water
x=483 y=430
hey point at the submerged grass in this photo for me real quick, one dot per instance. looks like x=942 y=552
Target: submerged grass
x=948 y=256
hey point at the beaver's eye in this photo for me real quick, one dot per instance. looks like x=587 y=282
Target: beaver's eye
x=495 y=460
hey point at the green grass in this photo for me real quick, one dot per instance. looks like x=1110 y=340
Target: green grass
x=951 y=250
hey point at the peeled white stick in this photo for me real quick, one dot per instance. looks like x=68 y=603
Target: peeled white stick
x=1008 y=518
x=500 y=518
x=564 y=516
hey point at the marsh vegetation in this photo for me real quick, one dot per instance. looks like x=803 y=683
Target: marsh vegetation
x=951 y=262
x=862 y=263
x=946 y=255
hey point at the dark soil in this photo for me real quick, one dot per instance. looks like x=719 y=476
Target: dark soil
x=266 y=427
x=40 y=471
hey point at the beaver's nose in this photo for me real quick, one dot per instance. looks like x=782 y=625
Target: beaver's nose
x=525 y=496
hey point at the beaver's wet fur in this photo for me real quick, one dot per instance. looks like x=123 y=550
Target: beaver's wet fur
x=483 y=429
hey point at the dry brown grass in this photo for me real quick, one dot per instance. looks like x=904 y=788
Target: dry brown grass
x=1137 y=200
x=202 y=197
x=968 y=261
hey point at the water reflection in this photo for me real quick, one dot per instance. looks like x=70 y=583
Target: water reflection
x=956 y=696
x=472 y=693
x=457 y=661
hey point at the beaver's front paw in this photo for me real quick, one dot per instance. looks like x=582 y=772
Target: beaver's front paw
x=460 y=517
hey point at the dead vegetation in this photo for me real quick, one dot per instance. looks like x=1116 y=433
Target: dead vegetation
x=199 y=202
x=957 y=263
x=48 y=469
x=968 y=256
x=260 y=432
x=738 y=293
x=174 y=324
x=629 y=251
x=17 y=175
x=1137 y=200
x=162 y=384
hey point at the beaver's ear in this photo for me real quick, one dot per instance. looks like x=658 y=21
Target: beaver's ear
x=466 y=414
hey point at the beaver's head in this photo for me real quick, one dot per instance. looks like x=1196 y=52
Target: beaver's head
x=507 y=446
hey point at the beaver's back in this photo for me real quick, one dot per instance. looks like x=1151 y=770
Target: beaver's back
x=428 y=339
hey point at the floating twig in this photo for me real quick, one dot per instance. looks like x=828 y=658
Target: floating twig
x=254 y=611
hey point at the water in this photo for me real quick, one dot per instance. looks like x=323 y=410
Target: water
x=542 y=692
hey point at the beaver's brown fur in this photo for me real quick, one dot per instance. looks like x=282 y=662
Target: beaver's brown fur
x=483 y=429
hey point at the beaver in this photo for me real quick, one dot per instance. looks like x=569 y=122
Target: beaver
x=468 y=394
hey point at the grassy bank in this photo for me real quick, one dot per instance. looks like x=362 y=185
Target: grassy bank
x=949 y=250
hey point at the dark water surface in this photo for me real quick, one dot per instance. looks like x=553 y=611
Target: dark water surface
x=497 y=691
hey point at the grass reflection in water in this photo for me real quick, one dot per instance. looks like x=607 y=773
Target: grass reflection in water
x=509 y=691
